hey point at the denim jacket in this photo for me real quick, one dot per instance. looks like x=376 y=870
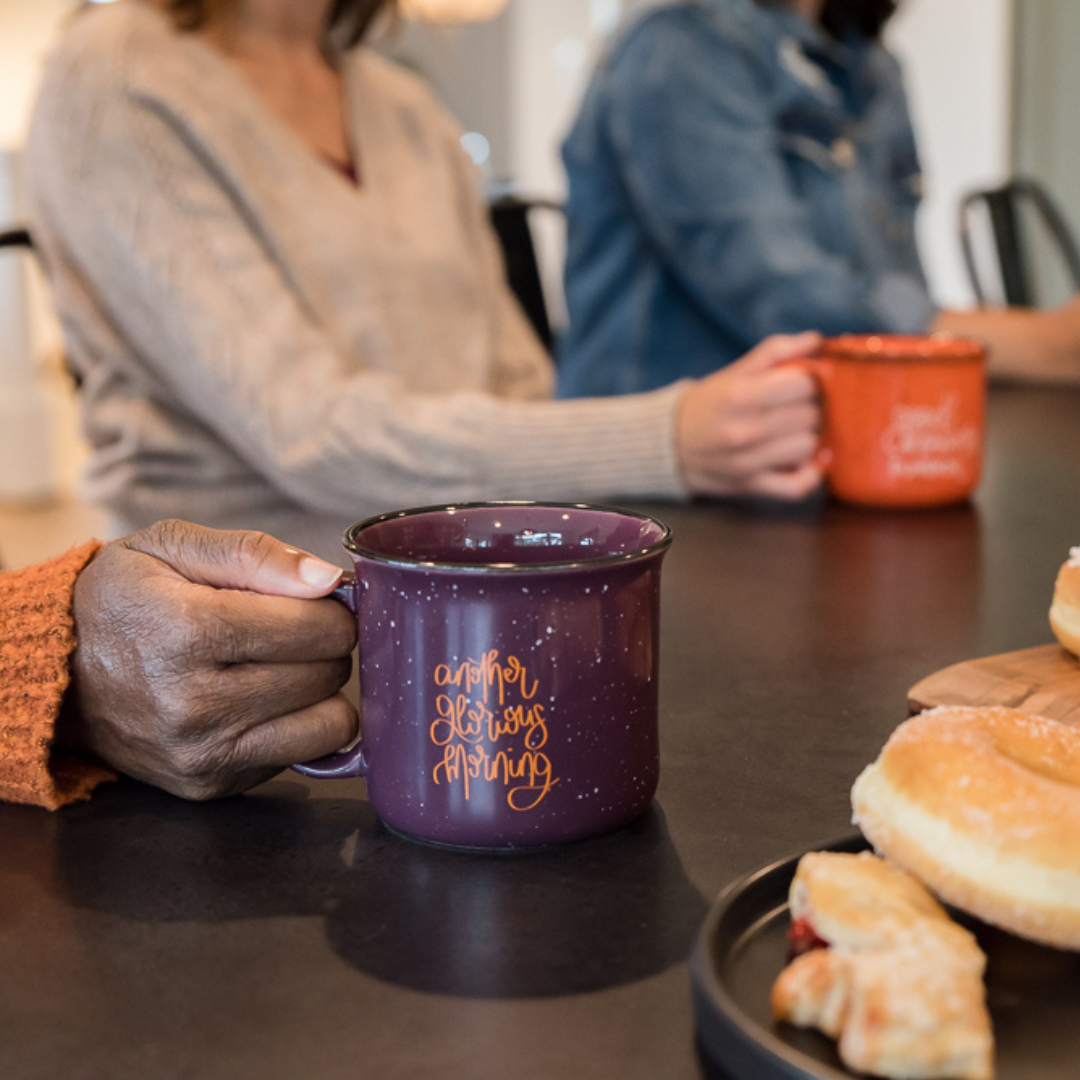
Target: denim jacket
x=734 y=173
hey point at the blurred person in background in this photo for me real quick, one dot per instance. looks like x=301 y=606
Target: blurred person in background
x=280 y=288
x=742 y=168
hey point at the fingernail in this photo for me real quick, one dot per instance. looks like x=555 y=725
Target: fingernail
x=319 y=574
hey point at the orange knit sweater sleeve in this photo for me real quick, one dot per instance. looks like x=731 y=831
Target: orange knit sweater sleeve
x=37 y=638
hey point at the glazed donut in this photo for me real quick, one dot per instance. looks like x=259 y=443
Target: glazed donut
x=1065 y=607
x=983 y=806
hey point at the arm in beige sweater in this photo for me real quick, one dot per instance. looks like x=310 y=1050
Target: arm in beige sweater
x=238 y=291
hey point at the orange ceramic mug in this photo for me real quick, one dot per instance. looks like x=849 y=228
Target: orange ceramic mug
x=904 y=417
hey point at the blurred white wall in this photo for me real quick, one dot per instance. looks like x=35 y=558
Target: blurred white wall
x=957 y=56
x=39 y=446
x=26 y=27
x=554 y=44
x=1046 y=138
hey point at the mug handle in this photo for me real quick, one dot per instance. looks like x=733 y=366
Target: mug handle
x=352 y=761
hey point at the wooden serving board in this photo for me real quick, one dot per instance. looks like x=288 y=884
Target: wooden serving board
x=1044 y=680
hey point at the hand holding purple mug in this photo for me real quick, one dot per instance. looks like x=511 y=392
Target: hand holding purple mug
x=205 y=661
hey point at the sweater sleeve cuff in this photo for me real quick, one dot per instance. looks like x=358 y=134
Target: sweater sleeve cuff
x=591 y=448
x=37 y=638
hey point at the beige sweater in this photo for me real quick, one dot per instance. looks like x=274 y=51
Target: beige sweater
x=264 y=345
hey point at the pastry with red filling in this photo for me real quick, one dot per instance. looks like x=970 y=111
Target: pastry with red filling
x=881 y=968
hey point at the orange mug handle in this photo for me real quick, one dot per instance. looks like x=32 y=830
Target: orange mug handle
x=822 y=371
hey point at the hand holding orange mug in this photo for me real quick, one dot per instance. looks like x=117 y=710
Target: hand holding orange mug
x=903 y=417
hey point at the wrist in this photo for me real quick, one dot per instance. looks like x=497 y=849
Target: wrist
x=682 y=469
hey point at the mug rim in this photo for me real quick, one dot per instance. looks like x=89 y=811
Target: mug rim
x=903 y=348
x=354 y=547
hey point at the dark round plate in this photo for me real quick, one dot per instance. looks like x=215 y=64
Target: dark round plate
x=1033 y=992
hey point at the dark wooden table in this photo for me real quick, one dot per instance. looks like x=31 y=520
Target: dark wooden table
x=286 y=934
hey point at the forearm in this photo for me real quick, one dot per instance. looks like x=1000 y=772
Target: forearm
x=1026 y=345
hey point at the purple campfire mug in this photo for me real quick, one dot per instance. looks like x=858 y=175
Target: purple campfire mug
x=508 y=671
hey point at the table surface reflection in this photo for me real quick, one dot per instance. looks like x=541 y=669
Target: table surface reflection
x=285 y=933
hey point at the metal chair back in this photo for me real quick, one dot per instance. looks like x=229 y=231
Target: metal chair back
x=1008 y=210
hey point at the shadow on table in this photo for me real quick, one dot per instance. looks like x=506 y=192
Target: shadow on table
x=589 y=915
